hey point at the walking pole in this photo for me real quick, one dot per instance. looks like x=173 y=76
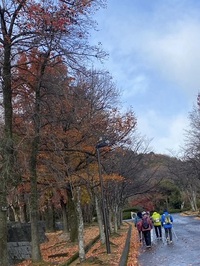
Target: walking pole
x=152 y=235
x=174 y=233
x=163 y=235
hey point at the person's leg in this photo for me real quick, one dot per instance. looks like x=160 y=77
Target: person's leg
x=145 y=237
x=148 y=238
x=156 y=231
x=170 y=234
x=140 y=235
x=166 y=233
x=160 y=231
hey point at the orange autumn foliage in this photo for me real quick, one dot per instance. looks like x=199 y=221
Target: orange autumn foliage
x=58 y=244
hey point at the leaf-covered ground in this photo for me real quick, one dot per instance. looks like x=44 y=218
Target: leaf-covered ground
x=59 y=249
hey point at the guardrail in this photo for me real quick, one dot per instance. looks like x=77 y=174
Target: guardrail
x=124 y=256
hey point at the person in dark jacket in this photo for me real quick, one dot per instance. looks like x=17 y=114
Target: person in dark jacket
x=138 y=218
x=145 y=226
x=167 y=223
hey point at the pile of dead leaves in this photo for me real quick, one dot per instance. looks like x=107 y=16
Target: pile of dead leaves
x=58 y=250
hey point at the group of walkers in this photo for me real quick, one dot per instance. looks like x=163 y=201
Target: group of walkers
x=146 y=222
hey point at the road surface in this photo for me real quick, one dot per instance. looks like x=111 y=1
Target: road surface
x=184 y=251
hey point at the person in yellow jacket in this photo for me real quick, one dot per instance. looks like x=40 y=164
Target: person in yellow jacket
x=156 y=218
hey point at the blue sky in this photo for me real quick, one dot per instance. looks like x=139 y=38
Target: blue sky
x=154 y=58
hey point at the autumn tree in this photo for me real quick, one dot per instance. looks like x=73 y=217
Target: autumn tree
x=26 y=25
x=94 y=114
x=185 y=175
x=190 y=160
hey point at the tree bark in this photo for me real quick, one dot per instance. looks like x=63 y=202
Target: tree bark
x=50 y=219
x=36 y=254
x=80 y=227
x=35 y=247
x=3 y=228
x=115 y=222
x=100 y=220
x=7 y=144
x=64 y=216
x=73 y=226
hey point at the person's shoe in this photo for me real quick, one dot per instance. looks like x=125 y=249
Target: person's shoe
x=149 y=246
x=170 y=242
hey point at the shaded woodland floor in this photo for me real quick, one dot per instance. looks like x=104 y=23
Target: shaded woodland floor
x=58 y=249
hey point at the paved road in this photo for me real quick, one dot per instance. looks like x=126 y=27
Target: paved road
x=184 y=251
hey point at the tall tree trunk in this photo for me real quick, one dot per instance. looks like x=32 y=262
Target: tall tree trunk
x=192 y=199
x=115 y=218
x=50 y=219
x=111 y=229
x=7 y=147
x=22 y=213
x=22 y=206
x=80 y=227
x=3 y=226
x=64 y=216
x=36 y=254
x=35 y=245
x=100 y=220
x=72 y=217
x=15 y=212
x=119 y=217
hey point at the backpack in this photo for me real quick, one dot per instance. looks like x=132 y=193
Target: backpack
x=167 y=219
x=145 y=223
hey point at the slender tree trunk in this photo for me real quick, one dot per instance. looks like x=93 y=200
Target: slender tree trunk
x=110 y=221
x=182 y=205
x=192 y=199
x=36 y=254
x=50 y=221
x=64 y=216
x=119 y=217
x=35 y=245
x=3 y=226
x=100 y=220
x=15 y=212
x=7 y=145
x=22 y=213
x=72 y=218
x=22 y=207
x=115 y=218
x=80 y=227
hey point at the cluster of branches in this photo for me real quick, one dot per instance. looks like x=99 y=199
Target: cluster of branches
x=185 y=170
x=190 y=162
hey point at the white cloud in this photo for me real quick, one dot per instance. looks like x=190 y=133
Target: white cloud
x=170 y=47
x=176 y=55
x=166 y=134
x=155 y=60
x=137 y=85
